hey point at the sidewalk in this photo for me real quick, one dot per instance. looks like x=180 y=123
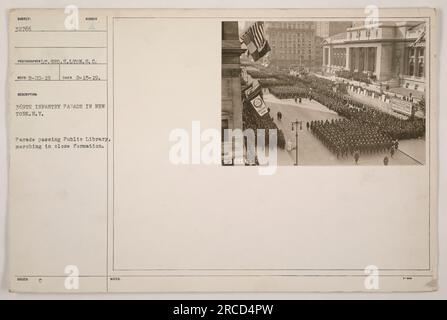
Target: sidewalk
x=305 y=104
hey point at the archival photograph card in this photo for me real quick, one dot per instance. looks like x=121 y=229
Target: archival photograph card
x=261 y=150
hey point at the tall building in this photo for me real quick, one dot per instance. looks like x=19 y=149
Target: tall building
x=293 y=43
x=326 y=29
x=391 y=52
x=322 y=29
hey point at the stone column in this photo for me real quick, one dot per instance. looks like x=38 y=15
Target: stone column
x=325 y=56
x=357 y=59
x=384 y=60
x=348 y=59
x=378 y=62
x=375 y=59
x=366 y=56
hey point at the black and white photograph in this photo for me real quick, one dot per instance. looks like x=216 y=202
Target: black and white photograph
x=334 y=92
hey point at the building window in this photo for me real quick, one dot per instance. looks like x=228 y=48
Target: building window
x=421 y=52
x=421 y=70
x=411 y=68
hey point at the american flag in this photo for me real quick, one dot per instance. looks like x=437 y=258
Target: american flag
x=255 y=41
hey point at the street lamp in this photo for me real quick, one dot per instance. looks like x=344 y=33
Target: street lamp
x=295 y=126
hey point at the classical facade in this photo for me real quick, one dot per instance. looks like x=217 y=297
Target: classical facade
x=231 y=82
x=392 y=53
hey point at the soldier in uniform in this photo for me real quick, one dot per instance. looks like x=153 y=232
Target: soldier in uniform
x=356 y=157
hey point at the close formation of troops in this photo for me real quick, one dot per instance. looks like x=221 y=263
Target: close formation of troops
x=346 y=137
x=364 y=129
x=288 y=92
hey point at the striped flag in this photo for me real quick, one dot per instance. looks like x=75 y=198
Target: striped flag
x=419 y=39
x=255 y=41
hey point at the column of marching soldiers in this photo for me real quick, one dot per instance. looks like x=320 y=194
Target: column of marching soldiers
x=352 y=137
x=363 y=129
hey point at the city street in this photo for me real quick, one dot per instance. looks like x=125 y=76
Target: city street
x=312 y=152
